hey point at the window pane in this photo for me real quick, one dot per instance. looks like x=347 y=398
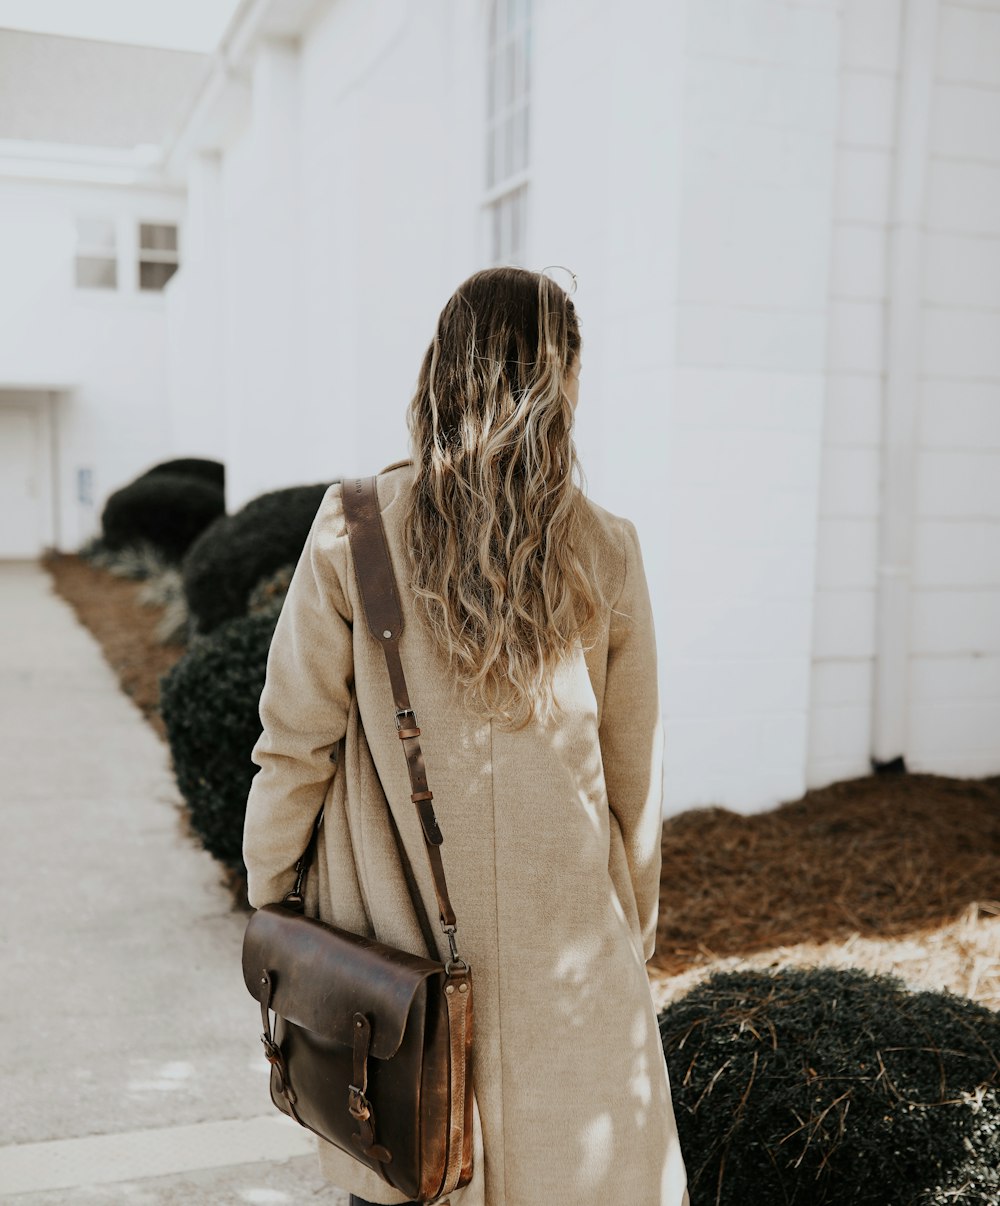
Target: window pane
x=515 y=227
x=498 y=227
x=509 y=70
x=155 y=236
x=95 y=272
x=496 y=97
x=155 y=275
x=508 y=83
x=95 y=234
x=508 y=215
x=495 y=229
x=516 y=132
x=500 y=141
x=518 y=88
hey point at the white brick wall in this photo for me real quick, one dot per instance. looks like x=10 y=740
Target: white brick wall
x=839 y=737
x=953 y=722
x=955 y=666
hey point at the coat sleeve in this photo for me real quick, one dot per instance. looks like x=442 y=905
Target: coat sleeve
x=303 y=707
x=631 y=736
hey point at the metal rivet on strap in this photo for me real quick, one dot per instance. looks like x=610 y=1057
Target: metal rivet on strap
x=387 y=632
x=463 y=988
x=449 y=988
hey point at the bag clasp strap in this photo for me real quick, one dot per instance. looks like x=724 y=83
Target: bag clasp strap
x=358 y=1105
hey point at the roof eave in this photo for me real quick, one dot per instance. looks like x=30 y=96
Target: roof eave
x=224 y=97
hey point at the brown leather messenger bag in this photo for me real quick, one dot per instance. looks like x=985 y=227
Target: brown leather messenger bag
x=371 y=1045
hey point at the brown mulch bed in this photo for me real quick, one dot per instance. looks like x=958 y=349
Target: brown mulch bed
x=881 y=856
x=891 y=872
x=125 y=630
x=896 y=872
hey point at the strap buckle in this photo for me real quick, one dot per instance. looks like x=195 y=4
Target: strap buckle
x=358 y=1104
x=276 y=1058
x=400 y=712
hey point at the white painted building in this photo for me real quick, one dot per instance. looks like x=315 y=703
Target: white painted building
x=784 y=216
x=88 y=236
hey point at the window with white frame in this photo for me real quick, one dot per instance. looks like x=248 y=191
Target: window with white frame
x=507 y=128
x=96 y=265
x=158 y=258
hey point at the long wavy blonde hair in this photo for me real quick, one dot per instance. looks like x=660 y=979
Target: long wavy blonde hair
x=494 y=517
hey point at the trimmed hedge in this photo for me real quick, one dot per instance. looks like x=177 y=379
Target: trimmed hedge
x=209 y=703
x=822 y=1086
x=192 y=466
x=167 y=510
x=229 y=558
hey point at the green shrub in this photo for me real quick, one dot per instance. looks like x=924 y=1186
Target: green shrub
x=209 y=703
x=213 y=472
x=820 y=1086
x=167 y=510
x=229 y=558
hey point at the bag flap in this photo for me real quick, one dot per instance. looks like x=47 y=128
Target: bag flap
x=322 y=975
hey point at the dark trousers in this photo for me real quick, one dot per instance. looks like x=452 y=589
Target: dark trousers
x=356 y=1201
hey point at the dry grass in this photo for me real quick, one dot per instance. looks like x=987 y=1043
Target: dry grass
x=963 y=956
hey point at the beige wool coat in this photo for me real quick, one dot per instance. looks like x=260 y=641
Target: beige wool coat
x=551 y=851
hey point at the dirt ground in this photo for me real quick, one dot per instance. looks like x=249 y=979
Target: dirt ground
x=895 y=873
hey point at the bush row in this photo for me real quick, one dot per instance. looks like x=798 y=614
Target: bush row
x=234 y=571
x=235 y=576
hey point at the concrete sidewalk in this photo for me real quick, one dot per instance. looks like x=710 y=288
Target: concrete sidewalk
x=131 y=1064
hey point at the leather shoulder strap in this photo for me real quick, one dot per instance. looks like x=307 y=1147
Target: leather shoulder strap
x=377 y=584
x=370 y=551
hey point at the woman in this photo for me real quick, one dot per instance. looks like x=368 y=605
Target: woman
x=530 y=656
